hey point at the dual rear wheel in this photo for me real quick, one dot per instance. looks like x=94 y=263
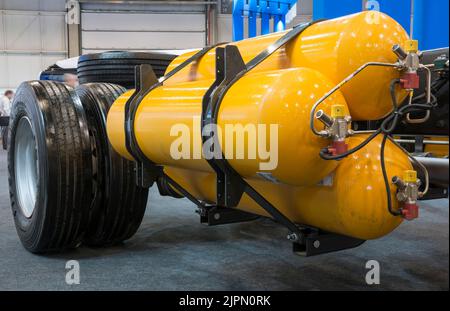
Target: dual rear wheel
x=67 y=185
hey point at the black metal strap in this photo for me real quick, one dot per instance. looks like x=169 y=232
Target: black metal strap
x=184 y=192
x=297 y=30
x=230 y=68
x=146 y=81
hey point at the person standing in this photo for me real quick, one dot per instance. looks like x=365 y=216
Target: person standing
x=5 y=110
x=5 y=103
x=71 y=80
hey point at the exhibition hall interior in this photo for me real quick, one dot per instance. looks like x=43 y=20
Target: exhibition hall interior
x=224 y=145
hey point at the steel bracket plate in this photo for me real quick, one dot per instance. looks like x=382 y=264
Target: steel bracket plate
x=317 y=243
x=215 y=215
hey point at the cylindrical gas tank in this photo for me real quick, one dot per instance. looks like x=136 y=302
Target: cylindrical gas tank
x=276 y=102
x=351 y=201
x=347 y=196
x=336 y=48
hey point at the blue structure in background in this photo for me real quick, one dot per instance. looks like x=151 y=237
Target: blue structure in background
x=263 y=9
x=400 y=10
x=430 y=22
x=335 y=8
x=430 y=18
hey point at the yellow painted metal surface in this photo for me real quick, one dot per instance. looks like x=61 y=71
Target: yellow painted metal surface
x=284 y=98
x=354 y=205
x=280 y=97
x=336 y=48
x=440 y=151
x=351 y=198
x=410 y=176
x=411 y=46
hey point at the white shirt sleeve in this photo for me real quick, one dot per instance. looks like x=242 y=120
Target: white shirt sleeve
x=2 y=107
x=8 y=107
x=5 y=106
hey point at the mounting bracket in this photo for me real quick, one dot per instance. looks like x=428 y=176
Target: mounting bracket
x=316 y=242
x=215 y=215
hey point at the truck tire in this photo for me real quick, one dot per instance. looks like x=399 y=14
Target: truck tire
x=49 y=166
x=118 y=66
x=119 y=204
x=56 y=73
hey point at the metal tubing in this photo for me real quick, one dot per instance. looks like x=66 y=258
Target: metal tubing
x=398 y=182
x=426 y=142
x=428 y=90
x=419 y=166
x=341 y=84
x=322 y=116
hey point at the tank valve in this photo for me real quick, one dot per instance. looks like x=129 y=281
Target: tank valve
x=337 y=128
x=408 y=193
x=409 y=61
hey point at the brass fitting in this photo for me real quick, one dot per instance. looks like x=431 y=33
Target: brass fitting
x=412 y=46
x=408 y=194
x=337 y=128
x=409 y=63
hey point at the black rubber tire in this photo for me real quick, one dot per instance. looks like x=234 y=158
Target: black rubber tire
x=119 y=204
x=118 y=66
x=56 y=73
x=64 y=167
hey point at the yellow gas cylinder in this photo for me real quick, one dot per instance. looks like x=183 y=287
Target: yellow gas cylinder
x=281 y=98
x=440 y=151
x=336 y=48
x=346 y=197
x=351 y=201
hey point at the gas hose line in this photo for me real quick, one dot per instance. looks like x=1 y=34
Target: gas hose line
x=387 y=127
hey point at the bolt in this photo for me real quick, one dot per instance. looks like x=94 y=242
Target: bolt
x=316 y=244
x=292 y=237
